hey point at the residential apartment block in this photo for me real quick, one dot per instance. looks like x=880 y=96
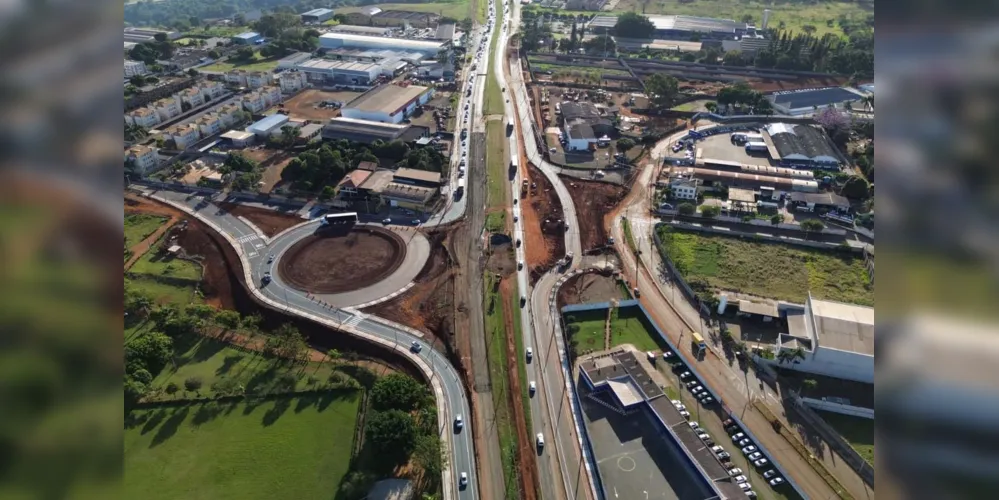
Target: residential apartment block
x=258 y=101
x=167 y=108
x=292 y=81
x=230 y=114
x=684 y=190
x=249 y=79
x=143 y=117
x=210 y=124
x=212 y=89
x=192 y=96
x=184 y=136
x=133 y=68
x=143 y=157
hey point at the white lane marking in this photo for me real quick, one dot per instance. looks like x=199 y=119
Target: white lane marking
x=247 y=238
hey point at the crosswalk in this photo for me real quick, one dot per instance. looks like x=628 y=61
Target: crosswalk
x=248 y=238
x=356 y=317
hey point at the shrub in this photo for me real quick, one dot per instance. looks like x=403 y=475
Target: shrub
x=172 y=388
x=193 y=384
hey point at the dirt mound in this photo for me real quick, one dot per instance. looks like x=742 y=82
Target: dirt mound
x=589 y=287
x=593 y=200
x=271 y=222
x=545 y=237
x=328 y=263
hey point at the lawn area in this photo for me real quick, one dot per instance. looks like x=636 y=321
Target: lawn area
x=493 y=104
x=219 y=31
x=590 y=333
x=140 y=226
x=163 y=293
x=769 y=270
x=259 y=63
x=295 y=447
x=629 y=326
x=152 y=263
x=497 y=163
x=459 y=9
x=498 y=370
x=859 y=432
x=215 y=362
x=629 y=236
x=518 y=335
x=496 y=222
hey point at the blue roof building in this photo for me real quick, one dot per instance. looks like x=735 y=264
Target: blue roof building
x=248 y=38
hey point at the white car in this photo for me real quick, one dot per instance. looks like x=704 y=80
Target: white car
x=386 y=221
x=769 y=474
x=530 y=356
x=684 y=375
x=458 y=422
x=750 y=493
x=680 y=407
x=745 y=486
x=685 y=414
x=745 y=442
x=532 y=388
x=776 y=481
x=735 y=472
x=708 y=400
x=740 y=479
x=540 y=440
x=761 y=462
x=737 y=437
x=717 y=449
x=697 y=389
x=463 y=480
x=703 y=435
x=751 y=453
x=694 y=425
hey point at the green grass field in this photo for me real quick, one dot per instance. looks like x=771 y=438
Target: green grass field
x=793 y=14
x=283 y=448
x=628 y=235
x=496 y=222
x=497 y=162
x=498 y=369
x=590 y=335
x=859 y=432
x=163 y=293
x=769 y=270
x=458 y=10
x=215 y=362
x=160 y=265
x=259 y=63
x=493 y=104
x=139 y=226
x=629 y=326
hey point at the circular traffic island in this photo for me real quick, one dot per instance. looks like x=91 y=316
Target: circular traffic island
x=337 y=263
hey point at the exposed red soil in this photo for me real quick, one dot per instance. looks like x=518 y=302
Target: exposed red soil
x=135 y=204
x=526 y=468
x=545 y=237
x=270 y=222
x=336 y=263
x=588 y=287
x=593 y=201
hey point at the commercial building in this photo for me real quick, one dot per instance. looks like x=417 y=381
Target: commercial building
x=579 y=136
x=317 y=15
x=143 y=117
x=684 y=189
x=681 y=27
x=183 y=136
x=837 y=339
x=293 y=60
x=133 y=68
x=407 y=196
x=309 y=131
x=362 y=30
x=292 y=81
x=800 y=146
x=144 y=158
x=445 y=32
x=821 y=202
x=142 y=35
x=429 y=48
x=248 y=38
x=387 y=103
x=350 y=185
x=747 y=44
x=808 y=101
x=239 y=138
x=328 y=72
x=416 y=177
x=267 y=126
x=404 y=18
x=367 y=131
x=584 y=125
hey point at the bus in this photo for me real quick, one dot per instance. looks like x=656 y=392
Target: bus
x=341 y=219
x=698 y=340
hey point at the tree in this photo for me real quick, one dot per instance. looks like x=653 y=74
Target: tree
x=711 y=106
x=289 y=135
x=396 y=392
x=244 y=54
x=624 y=144
x=214 y=54
x=856 y=187
x=193 y=73
x=710 y=212
x=334 y=356
x=430 y=455
x=777 y=219
x=391 y=434
x=160 y=37
x=327 y=193
x=150 y=351
x=748 y=19
x=662 y=89
x=137 y=80
x=686 y=208
x=809 y=29
x=633 y=25
x=812 y=225
x=733 y=58
x=602 y=44
x=809 y=385
x=192 y=384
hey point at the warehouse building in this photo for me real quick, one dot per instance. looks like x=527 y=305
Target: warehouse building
x=749 y=180
x=328 y=72
x=405 y=18
x=352 y=29
x=800 y=146
x=248 y=38
x=267 y=126
x=387 y=103
x=821 y=202
x=143 y=35
x=808 y=101
x=681 y=27
x=317 y=15
x=368 y=131
x=363 y=17
x=837 y=339
x=293 y=60
x=429 y=48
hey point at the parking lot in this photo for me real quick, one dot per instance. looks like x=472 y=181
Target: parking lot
x=307 y=104
x=632 y=455
x=720 y=147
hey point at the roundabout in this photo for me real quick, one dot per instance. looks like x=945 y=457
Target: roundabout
x=340 y=262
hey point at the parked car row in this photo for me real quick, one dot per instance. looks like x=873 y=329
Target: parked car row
x=752 y=453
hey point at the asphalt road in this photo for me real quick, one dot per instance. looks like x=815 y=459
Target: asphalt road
x=562 y=473
x=255 y=252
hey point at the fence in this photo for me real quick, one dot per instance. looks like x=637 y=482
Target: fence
x=833 y=439
x=762 y=237
x=676 y=276
x=844 y=409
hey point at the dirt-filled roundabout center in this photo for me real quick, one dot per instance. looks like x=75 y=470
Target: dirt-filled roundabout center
x=328 y=262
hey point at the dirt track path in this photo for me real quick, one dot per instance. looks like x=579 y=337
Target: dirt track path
x=144 y=207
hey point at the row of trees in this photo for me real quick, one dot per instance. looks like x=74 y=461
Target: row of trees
x=184 y=15
x=245 y=172
x=319 y=169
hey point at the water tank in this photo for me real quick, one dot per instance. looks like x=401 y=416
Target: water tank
x=722 y=302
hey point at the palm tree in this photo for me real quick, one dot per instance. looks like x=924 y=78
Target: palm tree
x=334 y=356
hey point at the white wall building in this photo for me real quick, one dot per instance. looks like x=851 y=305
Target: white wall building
x=167 y=107
x=212 y=89
x=429 y=48
x=387 y=103
x=683 y=190
x=184 y=136
x=249 y=79
x=133 y=68
x=229 y=114
x=210 y=125
x=292 y=81
x=143 y=117
x=293 y=60
x=192 y=96
x=143 y=157
x=837 y=338
x=239 y=138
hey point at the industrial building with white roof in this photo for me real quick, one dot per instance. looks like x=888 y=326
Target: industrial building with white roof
x=387 y=103
x=837 y=338
x=349 y=40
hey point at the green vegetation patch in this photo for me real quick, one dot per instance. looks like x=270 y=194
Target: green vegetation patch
x=859 y=432
x=497 y=163
x=495 y=222
x=772 y=270
x=586 y=329
x=139 y=226
x=296 y=447
x=498 y=370
x=458 y=9
x=258 y=63
x=156 y=263
x=493 y=104
x=180 y=294
x=630 y=326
